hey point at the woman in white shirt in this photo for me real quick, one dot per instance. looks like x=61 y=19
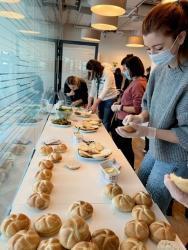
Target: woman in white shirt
x=103 y=91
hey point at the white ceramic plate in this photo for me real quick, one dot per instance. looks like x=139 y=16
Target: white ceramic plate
x=99 y=158
x=61 y=126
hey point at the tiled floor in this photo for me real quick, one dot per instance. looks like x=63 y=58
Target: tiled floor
x=178 y=220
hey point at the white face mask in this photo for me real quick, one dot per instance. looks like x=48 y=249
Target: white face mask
x=163 y=57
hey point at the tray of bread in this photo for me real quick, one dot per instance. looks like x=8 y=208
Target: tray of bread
x=88 y=126
x=83 y=113
x=61 y=122
x=93 y=151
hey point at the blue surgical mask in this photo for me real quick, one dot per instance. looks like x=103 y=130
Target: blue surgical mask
x=164 y=57
x=127 y=75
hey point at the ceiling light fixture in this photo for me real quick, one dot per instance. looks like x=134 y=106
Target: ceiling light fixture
x=108 y=7
x=11 y=14
x=90 y=35
x=32 y=32
x=169 y=1
x=103 y=22
x=135 y=41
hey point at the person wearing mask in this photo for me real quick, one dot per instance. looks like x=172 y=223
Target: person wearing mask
x=118 y=78
x=76 y=92
x=103 y=91
x=130 y=103
x=165 y=102
x=123 y=64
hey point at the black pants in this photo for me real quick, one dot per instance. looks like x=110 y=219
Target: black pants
x=125 y=144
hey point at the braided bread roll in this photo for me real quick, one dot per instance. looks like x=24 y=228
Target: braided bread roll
x=132 y=244
x=84 y=245
x=55 y=157
x=50 y=244
x=46 y=164
x=81 y=208
x=123 y=203
x=160 y=230
x=39 y=200
x=14 y=223
x=141 y=212
x=44 y=174
x=143 y=198
x=105 y=239
x=137 y=229
x=73 y=231
x=43 y=186
x=46 y=150
x=48 y=225
x=24 y=240
x=111 y=190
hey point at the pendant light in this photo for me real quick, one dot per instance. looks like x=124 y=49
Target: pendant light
x=90 y=35
x=169 y=1
x=104 y=22
x=135 y=41
x=108 y=7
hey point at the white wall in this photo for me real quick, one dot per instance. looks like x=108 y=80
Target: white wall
x=112 y=49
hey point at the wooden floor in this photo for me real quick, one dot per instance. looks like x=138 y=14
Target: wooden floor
x=177 y=220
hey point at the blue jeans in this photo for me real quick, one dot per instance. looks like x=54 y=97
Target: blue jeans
x=151 y=174
x=105 y=112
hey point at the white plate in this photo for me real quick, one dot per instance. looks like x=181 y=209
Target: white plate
x=93 y=159
x=61 y=126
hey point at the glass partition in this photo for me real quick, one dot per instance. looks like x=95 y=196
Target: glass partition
x=27 y=58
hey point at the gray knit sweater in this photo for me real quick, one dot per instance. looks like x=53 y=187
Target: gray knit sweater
x=166 y=100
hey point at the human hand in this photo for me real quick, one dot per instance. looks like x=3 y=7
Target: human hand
x=115 y=107
x=71 y=93
x=140 y=131
x=94 y=107
x=132 y=118
x=175 y=192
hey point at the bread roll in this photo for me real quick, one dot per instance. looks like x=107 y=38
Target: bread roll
x=132 y=244
x=73 y=231
x=137 y=229
x=46 y=164
x=55 y=157
x=129 y=129
x=46 y=150
x=48 y=225
x=50 y=244
x=24 y=240
x=39 y=200
x=123 y=203
x=141 y=212
x=180 y=182
x=160 y=230
x=14 y=223
x=61 y=148
x=81 y=208
x=111 y=190
x=105 y=239
x=84 y=245
x=143 y=198
x=44 y=174
x=43 y=186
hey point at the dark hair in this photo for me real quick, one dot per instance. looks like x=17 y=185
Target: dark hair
x=135 y=66
x=170 y=19
x=73 y=80
x=117 y=71
x=96 y=67
x=123 y=62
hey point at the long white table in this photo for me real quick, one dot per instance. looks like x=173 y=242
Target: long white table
x=84 y=184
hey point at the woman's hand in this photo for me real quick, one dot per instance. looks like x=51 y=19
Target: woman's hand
x=175 y=192
x=115 y=107
x=133 y=118
x=140 y=131
x=71 y=93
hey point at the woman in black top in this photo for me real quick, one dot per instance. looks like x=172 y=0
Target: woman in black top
x=76 y=92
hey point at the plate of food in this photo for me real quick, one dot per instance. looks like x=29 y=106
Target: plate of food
x=87 y=127
x=83 y=113
x=93 y=151
x=61 y=122
x=64 y=112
